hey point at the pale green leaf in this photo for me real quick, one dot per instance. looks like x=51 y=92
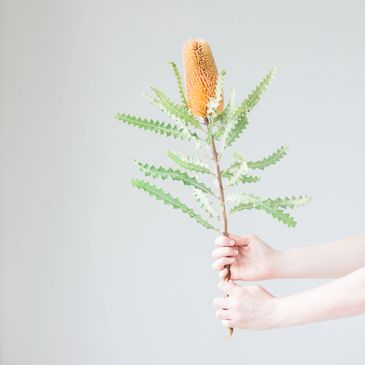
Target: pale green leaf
x=243 y=179
x=290 y=202
x=214 y=103
x=255 y=96
x=153 y=126
x=250 y=201
x=167 y=199
x=163 y=173
x=205 y=203
x=189 y=163
x=175 y=111
x=270 y=160
x=225 y=116
x=179 y=85
x=234 y=128
x=190 y=135
x=239 y=172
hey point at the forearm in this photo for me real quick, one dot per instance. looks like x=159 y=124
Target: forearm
x=340 y=298
x=331 y=260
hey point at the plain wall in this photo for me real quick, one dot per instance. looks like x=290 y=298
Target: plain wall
x=93 y=271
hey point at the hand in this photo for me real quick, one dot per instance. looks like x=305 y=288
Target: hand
x=250 y=307
x=249 y=258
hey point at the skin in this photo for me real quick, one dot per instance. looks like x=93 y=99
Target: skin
x=252 y=307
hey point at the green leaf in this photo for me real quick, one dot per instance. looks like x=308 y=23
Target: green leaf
x=213 y=103
x=226 y=115
x=270 y=160
x=234 y=128
x=250 y=201
x=167 y=199
x=239 y=172
x=179 y=85
x=175 y=111
x=255 y=96
x=243 y=179
x=290 y=202
x=205 y=203
x=161 y=172
x=249 y=179
x=189 y=163
x=153 y=126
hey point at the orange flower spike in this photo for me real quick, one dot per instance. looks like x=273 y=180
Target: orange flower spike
x=200 y=76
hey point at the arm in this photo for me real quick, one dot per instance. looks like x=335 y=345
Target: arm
x=340 y=298
x=254 y=308
x=329 y=260
x=252 y=259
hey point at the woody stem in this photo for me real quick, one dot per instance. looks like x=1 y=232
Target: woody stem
x=218 y=176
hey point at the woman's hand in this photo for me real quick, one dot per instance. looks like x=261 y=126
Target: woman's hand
x=249 y=307
x=252 y=307
x=249 y=258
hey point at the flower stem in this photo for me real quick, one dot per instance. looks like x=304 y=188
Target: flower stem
x=218 y=176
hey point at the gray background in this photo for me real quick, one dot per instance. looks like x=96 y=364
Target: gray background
x=95 y=272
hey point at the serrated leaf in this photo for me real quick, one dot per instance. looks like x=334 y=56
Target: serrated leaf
x=238 y=173
x=234 y=128
x=250 y=201
x=166 y=198
x=152 y=125
x=189 y=163
x=205 y=203
x=190 y=135
x=177 y=175
x=243 y=179
x=240 y=198
x=270 y=160
x=175 y=111
x=291 y=202
x=249 y=179
x=179 y=85
x=214 y=103
x=255 y=96
x=225 y=116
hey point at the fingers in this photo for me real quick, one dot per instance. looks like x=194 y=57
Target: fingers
x=241 y=240
x=228 y=287
x=222 y=262
x=225 y=251
x=228 y=323
x=224 y=241
x=234 y=240
x=222 y=303
x=223 y=314
x=223 y=273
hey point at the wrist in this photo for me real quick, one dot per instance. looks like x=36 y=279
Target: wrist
x=277 y=264
x=283 y=313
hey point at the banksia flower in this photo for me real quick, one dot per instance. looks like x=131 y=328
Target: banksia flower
x=200 y=76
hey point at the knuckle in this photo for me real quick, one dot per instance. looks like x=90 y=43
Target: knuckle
x=230 y=251
x=219 y=240
x=234 y=303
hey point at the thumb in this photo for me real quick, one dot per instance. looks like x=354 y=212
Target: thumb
x=241 y=240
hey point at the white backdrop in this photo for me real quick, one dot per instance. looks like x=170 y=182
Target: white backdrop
x=95 y=272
